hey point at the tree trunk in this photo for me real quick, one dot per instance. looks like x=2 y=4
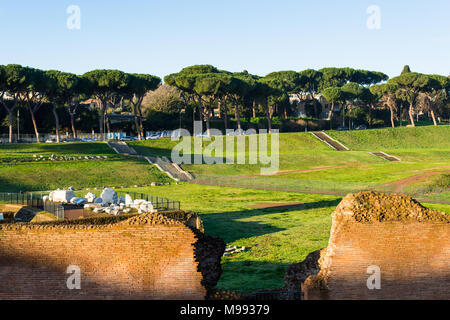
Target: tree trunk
x=225 y=116
x=10 y=119
x=10 y=112
x=269 y=114
x=100 y=124
x=101 y=119
x=330 y=116
x=141 y=124
x=392 y=117
x=200 y=114
x=33 y=120
x=207 y=117
x=433 y=116
x=136 y=122
x=343 y=116
x=370 y=115
x=107 y=125
x=36 y=133
x=55 y=114
x=237 y=114
x=411 y=117
x=254 y=109
x=72 y=124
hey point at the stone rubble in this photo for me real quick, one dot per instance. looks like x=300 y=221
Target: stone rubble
x=108 y=202
x=235 y=249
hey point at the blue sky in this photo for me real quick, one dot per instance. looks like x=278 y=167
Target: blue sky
x=161 y=37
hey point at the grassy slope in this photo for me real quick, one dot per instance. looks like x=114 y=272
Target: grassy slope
x=116 y=171
x=277 y=237
x=429 y=137
x=422 y=149
x=297 y=151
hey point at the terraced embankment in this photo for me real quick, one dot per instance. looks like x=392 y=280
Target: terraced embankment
x=329 y=141
x=386 y=156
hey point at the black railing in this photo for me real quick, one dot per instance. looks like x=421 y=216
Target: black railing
x=35 y=200
x=158 y=202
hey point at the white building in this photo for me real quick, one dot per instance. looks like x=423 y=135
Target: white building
x=296 y=99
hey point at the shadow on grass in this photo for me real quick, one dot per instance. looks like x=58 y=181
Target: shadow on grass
x=226 y=225
x=8 y=185
x=251 y=276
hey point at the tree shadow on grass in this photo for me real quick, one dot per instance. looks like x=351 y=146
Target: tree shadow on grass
x=226 y=225
x=9 y=185
x=250 y=276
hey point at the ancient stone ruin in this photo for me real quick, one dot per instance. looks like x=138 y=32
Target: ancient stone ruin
x=108 y=202
x=146 y=256
x=373 y=234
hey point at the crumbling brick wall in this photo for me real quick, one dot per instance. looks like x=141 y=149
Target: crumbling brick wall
x=409 y=243
x=145 y=257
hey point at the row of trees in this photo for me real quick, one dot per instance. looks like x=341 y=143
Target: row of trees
x=30 y=88
x=205 y=88
x=349 y=88
x=419 y=92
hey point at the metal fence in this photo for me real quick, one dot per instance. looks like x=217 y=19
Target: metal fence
x=327 y=187
x=35 y=200
x=158 y=202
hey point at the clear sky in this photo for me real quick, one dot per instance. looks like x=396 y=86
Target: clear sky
x=162 y=36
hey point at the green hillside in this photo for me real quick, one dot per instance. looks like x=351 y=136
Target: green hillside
x=26 y=151
x=115 y=170
x=427 y=137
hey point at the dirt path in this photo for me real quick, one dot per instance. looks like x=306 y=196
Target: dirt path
x=279 y=173
x=400 y=184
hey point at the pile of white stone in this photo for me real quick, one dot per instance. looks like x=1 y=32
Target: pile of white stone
x=235 y=249
x=108 y=202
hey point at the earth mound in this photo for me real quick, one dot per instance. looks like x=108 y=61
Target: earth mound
x=368 y=206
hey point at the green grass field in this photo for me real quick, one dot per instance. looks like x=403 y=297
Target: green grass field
x=254 y=213
x=276 y=236
x=307 y=164
x=46 y=175
x=428 y=137
x=26 y=151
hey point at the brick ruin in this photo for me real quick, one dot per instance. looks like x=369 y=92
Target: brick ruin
x=408 y=242
x=148 y=256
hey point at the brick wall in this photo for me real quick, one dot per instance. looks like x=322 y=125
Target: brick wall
x=147 y=261
x=413 y=254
